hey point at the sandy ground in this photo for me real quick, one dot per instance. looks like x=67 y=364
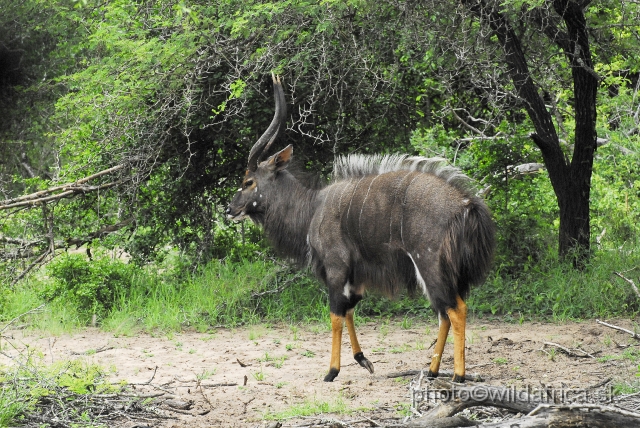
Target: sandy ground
x=283 y=366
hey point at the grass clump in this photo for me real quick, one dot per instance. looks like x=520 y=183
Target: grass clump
x=310 y=407
x=220 y=294
x=555 y=289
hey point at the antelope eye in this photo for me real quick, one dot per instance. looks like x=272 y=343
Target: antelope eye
x=248 y=183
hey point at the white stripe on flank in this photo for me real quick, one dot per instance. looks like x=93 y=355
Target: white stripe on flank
x=364 y=201
x=347 y=290
x=419 y=277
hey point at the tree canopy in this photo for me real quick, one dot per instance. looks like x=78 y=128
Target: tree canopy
x=130 y=122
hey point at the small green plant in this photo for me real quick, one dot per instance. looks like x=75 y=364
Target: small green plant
x=205 y=374
x=295 y=332
x=400 y=349
x=404 y=409
x=384 y=328
x=266 y=358
x=279 y=362
x=255 y=334
x=288 y=347
x=317 y=328
x=308 y=354
x=624 y=388
x=259 y=376
x=500 y=360
x=310 y=407
x=406 y=323
x=630 y=354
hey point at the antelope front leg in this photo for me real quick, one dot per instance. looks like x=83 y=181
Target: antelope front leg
x=355 y=346
x=337 y=322
x=458 y=317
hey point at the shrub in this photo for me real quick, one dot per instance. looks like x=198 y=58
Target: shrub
x=92 y=286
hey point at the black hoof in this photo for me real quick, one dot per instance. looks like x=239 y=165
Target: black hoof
x=362 y=360
x=431 y=374
x=458 y=378
x=333 y=373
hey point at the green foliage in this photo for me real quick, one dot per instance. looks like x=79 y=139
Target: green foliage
x=91 y=286
x=31 y=384
x=554 y=289
x=221 y=293
x=616 y=193
x=178 y=92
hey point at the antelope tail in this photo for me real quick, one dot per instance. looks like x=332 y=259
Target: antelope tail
x=467 y=249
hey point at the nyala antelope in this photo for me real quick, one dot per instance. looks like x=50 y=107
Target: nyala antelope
x=385 y=223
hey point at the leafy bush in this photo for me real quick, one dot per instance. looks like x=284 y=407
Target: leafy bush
x=90 y=285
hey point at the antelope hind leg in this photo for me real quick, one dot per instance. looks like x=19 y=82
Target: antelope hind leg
x=355 y=346
x=458 y=317
x=337 y=322
x=434 y=368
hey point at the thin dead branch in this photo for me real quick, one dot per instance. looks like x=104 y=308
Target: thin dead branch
x=95 y=351
x=67 y=192
x=30 y=311
x=473 y=377
x=615 y=327
x=579 y=353
x=38 y=196
x=37 y=262
x=633 y=284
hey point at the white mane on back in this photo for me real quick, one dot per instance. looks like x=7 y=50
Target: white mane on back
x=357 y=165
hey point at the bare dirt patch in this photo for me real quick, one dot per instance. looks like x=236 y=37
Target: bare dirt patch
x=284 y=366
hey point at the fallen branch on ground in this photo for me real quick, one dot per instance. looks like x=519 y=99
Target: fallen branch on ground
x=474 y=377
x=615 y=327
x=573 y=416
x=93 y=351
x=570 y=352
x=453 y=398
x=458 y=397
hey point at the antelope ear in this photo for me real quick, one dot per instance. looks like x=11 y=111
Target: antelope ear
x=280 y=160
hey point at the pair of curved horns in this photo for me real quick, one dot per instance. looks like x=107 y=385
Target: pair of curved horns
x=266 y=140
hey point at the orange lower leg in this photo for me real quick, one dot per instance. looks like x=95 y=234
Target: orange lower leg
x=439 y=349
x=355 y=346
x=458 y=317
x=336 y=342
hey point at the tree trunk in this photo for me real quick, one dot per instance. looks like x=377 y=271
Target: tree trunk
x=575 y=229
x=571 y=181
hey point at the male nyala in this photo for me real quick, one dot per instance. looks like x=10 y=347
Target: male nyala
x=385 y=223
